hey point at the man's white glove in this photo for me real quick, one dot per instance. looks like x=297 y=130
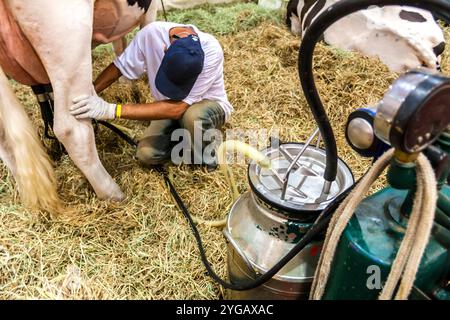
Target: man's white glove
x=94 y=107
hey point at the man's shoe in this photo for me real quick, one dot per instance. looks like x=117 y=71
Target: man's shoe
x=211 y=167
x=208 y=167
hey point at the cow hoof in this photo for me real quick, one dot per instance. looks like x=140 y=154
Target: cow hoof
x=117 y=196
x=113 y=195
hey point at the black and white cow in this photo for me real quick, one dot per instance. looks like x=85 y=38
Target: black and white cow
x=402 y=37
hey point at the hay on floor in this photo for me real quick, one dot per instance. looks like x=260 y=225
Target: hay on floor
x=143 y=248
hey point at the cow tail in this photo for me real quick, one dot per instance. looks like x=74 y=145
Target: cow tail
x=32 y=168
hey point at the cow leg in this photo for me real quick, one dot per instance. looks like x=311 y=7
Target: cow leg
x=119 y=45
x=151 y=14
x=61 y=33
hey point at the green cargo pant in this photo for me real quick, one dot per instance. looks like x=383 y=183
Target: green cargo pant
x=156 y=145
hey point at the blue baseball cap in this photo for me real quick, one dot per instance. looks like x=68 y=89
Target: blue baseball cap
x=180 y=68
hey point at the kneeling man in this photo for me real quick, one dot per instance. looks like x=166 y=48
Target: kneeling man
x=185 y=74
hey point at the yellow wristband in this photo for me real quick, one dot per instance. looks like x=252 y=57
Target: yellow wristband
x=118 y=111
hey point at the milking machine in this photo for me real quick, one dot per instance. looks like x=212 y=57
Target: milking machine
x=285 y=201
x=267 y=221
x=45 y=97
x=275 y=231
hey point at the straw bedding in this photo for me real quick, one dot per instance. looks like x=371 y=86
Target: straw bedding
x=143 y=248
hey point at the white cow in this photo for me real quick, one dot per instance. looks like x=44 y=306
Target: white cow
x=47 y=41
x=402 y=37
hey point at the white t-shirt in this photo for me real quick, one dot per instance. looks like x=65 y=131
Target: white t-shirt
x=145 y=54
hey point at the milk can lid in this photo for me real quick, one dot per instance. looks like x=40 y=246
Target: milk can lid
x=304 y=189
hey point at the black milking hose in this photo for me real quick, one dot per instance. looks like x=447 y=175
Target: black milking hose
x=318 y=227
x=119 y=132
x=441 y=8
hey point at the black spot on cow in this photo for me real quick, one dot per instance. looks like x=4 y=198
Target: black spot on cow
x=412 y=16
x=143 y=4
x=439 y=49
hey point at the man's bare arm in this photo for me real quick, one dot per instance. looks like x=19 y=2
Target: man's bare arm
x=106 y=78
x=167 y=109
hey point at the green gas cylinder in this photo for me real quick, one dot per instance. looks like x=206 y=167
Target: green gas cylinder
x=369 y=244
